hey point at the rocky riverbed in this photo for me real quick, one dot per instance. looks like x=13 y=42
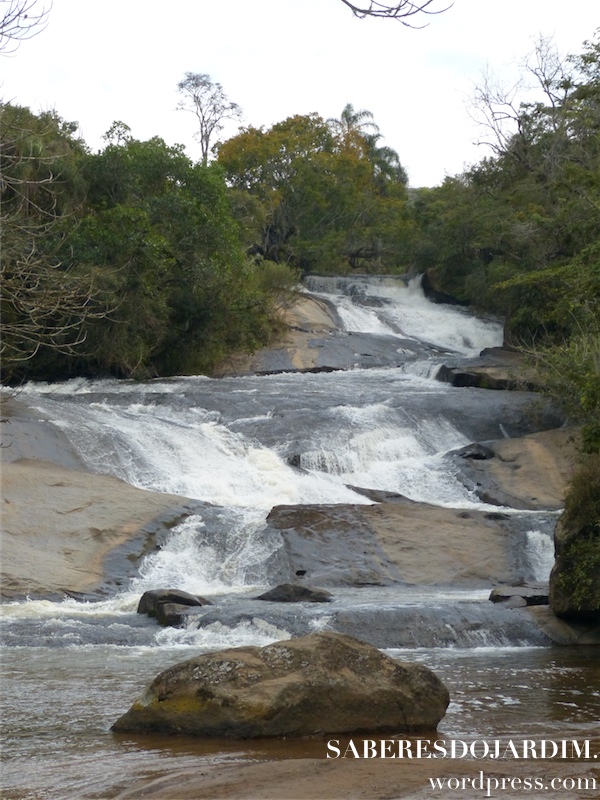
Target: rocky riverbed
x=70 y=529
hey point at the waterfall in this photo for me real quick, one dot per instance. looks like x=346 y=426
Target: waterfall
x=390 y=305
x=244 y=445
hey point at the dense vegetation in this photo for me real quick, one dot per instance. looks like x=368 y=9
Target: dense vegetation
x=127 y=262
x=519 y=233
x=135 y=261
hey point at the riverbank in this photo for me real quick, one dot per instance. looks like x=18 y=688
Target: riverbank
x=305 y=323
x=351 y=779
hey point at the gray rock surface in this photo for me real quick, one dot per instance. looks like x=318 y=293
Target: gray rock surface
x=531 y=595
x=293 y=593
x=398 y=541
x=527 y=472
x=68 y=530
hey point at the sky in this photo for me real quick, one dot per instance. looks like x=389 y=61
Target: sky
x=99 y=61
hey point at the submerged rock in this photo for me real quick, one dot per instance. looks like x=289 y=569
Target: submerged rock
x=293 y=593
x=562 y=631
x=324 y=683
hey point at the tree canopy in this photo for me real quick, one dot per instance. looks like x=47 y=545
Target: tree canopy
x=519 y=232
x=325 y=196
x=127 y=262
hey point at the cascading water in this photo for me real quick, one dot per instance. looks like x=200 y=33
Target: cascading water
x=389 y=305
x=242 y=446
x=245 y=445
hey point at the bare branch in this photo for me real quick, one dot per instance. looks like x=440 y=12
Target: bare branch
x=44 y=303
x=209 y=103
x=20 y=21
x=497 y=109
x=402 y=11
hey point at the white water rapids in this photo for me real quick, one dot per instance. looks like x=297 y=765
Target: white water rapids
x=241 y=446
x=231 y=443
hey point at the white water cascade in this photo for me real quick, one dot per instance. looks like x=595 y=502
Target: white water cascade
x=244 y=445
x=238 y=447
x=403 y=310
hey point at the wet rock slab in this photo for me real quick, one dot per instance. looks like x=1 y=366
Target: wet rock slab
x=529 y=595
x=527 y=472
x=400 y=542
x=66 y=530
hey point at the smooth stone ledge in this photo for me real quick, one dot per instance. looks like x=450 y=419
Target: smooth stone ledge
x=77 y=532
x=562 y=632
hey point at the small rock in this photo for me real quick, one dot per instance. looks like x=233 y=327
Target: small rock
x=293 y=593
x=515 y=602
x=532 y=595
x=150 y=600
x=174 y=615
x=477 y=451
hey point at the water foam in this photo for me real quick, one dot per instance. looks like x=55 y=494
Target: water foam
x=405 y=311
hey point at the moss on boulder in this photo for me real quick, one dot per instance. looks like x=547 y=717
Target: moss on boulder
x=575 y=578
x=322 y=683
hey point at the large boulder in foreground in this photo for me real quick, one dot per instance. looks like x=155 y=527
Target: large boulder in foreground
x=323 y=683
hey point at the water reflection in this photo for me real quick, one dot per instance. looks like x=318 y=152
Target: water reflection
x=61 y=704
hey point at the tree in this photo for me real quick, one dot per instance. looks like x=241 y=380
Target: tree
x=386 y=162
x=323 y=202
x=511 y=124
x=45 y=303
x=118 y=133
x=353 y=123
x=19 y=22
x=402 y=11
x=209 y=103
x=159 y=234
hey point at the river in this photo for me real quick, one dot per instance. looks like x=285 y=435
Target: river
x=243 y=445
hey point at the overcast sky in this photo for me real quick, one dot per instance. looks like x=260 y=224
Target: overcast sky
x=102 y=60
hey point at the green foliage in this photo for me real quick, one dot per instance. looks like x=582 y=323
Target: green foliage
x=152 y=233
x=324 y=196
x=582 y=503
x=44 y=303
x=163 y=229
x=519 y=234
x=278 y=282
x=578 y=576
